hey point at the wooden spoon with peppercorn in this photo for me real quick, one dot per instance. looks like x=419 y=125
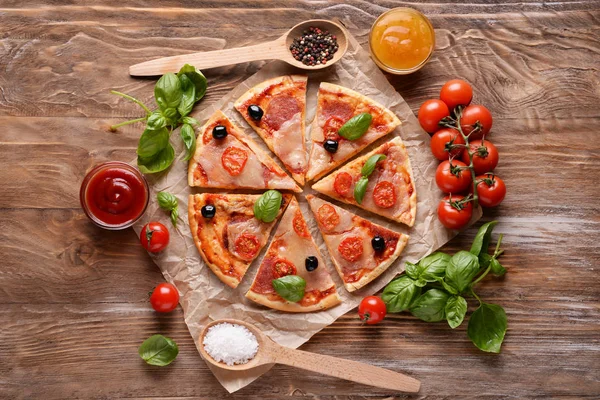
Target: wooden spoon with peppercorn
x=310 y=45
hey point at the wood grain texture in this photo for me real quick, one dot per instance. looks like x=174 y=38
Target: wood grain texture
x=73 y=297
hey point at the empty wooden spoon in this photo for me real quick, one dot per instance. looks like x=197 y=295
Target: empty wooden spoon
x=270 y=352
x=276 y=50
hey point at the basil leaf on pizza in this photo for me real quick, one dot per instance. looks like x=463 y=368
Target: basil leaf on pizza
x=360 y=189
x=290 y=287
x=267 y=206
x=369 y=166
x=356 y=126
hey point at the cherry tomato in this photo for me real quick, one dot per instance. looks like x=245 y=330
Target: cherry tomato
x=454 y=214
x=300 y=225
x=491 y=190
x=234 y=160
x=485 y=157
x=476 y=116
x=154 y=237
x=430 y=114
x=442 y=139
x=384 y=194
x=331 y=128
x=247 y=246
x=164 y=298
x=343 y=183
x=328 y=217
x=453 y=177
x=283 y=267
x=351 y=248
x=456 y=93
x=371 y=310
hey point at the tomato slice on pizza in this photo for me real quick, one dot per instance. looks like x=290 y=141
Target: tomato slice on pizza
x=227 y=158
x=336 y=105
x=359 y=249
x=227 y=234
x=275 y=109
x=293 y=252
x=390 y=191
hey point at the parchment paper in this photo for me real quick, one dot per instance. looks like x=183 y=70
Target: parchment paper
x=204 y=298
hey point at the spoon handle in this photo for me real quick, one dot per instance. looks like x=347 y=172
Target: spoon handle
x=211 y=59
x=346 y=369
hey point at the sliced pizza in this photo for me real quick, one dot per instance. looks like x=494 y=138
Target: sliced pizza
x=294 y=252
x=226 y=232
x=390 y=190
x=336 y=105
x=359 y=249
x=276 y=109
x=227 y=158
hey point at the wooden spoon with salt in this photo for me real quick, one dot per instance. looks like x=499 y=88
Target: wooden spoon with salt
x=270 y=352
x=278 y=49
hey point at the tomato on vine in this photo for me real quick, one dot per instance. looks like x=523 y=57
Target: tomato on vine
x=475 y=121
x=456 y=93
x=490 y=189
x=446 y=143
x=453 y=176
x=485 y=156
x=431 y=113
x=455 y=212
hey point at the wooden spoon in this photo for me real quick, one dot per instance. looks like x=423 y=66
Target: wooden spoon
x=270 y=352
x=276 y=50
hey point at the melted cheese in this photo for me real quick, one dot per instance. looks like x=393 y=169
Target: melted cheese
x=251 y=226
x=288 y=143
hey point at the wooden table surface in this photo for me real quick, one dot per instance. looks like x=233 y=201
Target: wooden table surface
x=73 y=298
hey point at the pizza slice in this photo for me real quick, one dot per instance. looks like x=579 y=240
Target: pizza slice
x=227 y=158
x=390 y=191
x=226 y=232
x=294 y=252
x=276 y=109
x=336 y=105
x=359 y=249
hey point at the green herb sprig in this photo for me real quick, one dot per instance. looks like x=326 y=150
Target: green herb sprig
x=168 y=202
x=434 y=289
x=175 y=95
x=360 y=189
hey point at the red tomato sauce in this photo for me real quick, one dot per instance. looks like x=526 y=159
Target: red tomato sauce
x=114 y=195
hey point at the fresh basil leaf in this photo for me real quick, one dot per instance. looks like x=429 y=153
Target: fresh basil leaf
x=456 y=309
x=167 y=91
x=399 y=294
x=356 y=126
x=188 y=97
x=158 y=162
x=461 y=270
x=430 y=306
x=174 y=216
x=158 y=350
x=152 y=142
x=450 y=289
x=433 y=266
x=290 y=287
x=360 y=189
x=412 y=270
x=487 y=327
x=189 y=140
x=484 y=260
x=496 y=267
x=483 y=238
x=190 y=121
x=156 y=121
x=267 y=206
x=196 y=77
x=369 y=166
x=166 y=201
x=172 y=116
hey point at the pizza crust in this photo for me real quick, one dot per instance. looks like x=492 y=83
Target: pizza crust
x=326 y=302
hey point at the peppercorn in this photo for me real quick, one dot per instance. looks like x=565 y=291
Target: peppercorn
x=314 y=47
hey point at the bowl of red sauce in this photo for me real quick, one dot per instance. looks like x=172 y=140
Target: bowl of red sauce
x=114 y=195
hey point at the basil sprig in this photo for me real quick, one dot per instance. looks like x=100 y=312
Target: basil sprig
x=434 y=289
x=267 y=206
x=175 y=95
x=360 y=188
x=158 y=350
x=168 y=202
x=356 y=126
x=290 y=287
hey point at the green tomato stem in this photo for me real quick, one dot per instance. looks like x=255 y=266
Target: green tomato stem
x=470 y=153
x=133 y=121
x=136 y=101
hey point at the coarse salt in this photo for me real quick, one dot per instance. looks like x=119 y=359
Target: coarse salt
x=230 y=343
